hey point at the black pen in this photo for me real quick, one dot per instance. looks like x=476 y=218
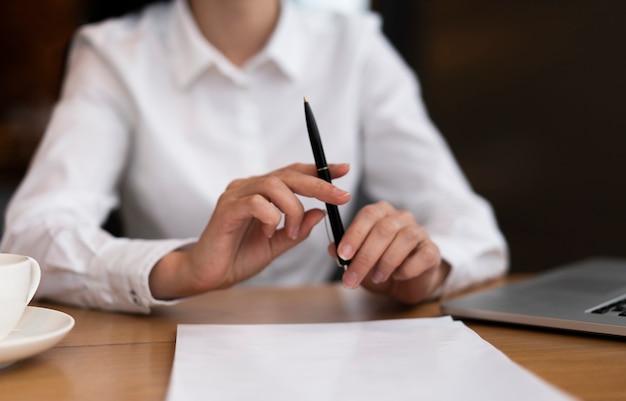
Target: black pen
x=322 y=172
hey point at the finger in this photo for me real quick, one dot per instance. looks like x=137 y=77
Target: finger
x=360 y=228
x=419 y=288
x=279 y=193
x=369 y=253
x=391 y=238
x=403 y=245
x=293 y=170
x=425 y=257
x=281 y=186
x=276 y=190
x=354 y=238
x=281 y=242
x=253 y=206
x=337 y=170
x=313 y=187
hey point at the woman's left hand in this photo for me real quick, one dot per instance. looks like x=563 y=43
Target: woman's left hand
x=390 y=253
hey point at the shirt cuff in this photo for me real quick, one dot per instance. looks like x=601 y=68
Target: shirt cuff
x=469 y=268
x=126 y=265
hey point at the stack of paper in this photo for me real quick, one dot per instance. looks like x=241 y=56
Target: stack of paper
x=405 y=359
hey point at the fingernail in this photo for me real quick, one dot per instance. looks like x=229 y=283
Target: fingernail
x=294 y=232
x=345 y=252
x=350 y=280
x=378 y=278
x=342 y=193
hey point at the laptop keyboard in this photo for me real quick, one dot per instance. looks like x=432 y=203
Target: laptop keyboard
x=617 y=308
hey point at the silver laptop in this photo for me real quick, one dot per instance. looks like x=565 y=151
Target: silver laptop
x=587 y=296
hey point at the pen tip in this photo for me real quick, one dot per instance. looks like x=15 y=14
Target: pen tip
x=305 y=101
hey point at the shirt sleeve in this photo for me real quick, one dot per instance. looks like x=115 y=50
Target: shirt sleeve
x=408 y=163
x=57 y=212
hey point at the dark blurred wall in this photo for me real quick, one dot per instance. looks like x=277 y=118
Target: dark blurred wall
x=33 y=40
x=529 y=95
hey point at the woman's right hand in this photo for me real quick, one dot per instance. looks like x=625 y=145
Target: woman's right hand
x=242 y=236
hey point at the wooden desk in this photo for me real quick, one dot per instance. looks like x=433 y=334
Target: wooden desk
x=110 y=356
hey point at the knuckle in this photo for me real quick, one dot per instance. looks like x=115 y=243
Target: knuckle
x=378 y=210
x=256 y=201
x=321 y=187
x=272 y=182
x=371 y=212
x=406 y=216
x=227 y=197
x=413 y=234
x=236 y=183
x=384 y=206
x=387 y=228
x=430 y=255
x=293 y=210
x=297 y=166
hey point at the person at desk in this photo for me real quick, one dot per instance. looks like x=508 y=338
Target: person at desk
x=188 y=117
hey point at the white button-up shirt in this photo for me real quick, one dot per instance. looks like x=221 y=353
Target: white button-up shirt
x=155 y=121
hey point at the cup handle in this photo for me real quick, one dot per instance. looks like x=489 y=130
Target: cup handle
x=35 y=272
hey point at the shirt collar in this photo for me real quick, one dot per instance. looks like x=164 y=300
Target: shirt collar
x=286 y=45
x=193 y=54
x=190 y=52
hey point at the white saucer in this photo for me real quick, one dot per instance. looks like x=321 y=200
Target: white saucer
x=38 y=330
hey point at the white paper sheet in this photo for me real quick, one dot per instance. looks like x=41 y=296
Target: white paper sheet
x=406 y=359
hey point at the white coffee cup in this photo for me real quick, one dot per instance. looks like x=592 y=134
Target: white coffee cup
x=19 y=279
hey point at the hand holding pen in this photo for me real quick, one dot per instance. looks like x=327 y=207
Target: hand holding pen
x=255 y=220
x=388 y=251
x=385 y=250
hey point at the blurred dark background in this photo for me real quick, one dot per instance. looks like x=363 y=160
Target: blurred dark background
x=529 y=95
